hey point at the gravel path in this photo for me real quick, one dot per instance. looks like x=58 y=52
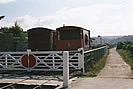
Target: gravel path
x=115 y=75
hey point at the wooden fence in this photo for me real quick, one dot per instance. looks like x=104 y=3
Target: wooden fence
x=52 y=61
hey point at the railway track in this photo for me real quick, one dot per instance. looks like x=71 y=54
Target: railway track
x=12 y=84
x=20 y=74
x=11 y=73
x=38 y=86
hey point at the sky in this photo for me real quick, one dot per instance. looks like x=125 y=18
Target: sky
x=101 y=17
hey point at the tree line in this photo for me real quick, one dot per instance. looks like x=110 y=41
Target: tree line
x=126 y=45
x=13 y=38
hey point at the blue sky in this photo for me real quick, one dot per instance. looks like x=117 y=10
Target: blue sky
x=39 y=7
x=101 y=17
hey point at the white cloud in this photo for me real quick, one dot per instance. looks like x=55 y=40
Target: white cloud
x=28 y=22
x=101 y=19
x=4 y=23
x=7 y=1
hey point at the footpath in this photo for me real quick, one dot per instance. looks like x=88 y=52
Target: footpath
x=115 y=75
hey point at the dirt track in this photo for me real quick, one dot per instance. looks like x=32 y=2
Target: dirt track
x=115 y=75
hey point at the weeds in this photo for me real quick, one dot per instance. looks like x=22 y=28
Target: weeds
x=96 y=67
x=127 y=56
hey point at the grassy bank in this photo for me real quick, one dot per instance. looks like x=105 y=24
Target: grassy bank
x=127 y=56
x=96 y=68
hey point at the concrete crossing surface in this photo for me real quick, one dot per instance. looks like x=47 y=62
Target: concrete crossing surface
x=115 y=75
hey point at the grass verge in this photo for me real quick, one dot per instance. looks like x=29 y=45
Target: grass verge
x=96 y=67
x=127 y=56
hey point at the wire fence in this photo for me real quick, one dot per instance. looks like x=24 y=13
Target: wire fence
x=93 y=56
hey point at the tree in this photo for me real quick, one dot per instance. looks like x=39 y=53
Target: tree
x=126 y=45
x=19 y=36
x=16 y=30
x=119 y=45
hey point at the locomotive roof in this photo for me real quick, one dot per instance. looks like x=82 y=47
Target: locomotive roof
x=40 y=28
x=60 y=28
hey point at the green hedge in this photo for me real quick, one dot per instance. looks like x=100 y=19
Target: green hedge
x=126 y=45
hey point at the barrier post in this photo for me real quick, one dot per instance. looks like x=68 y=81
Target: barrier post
x=81 y=59
x=65 y=69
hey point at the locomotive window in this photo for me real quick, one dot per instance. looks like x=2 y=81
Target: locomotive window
x=70 y=35
x=86 y=39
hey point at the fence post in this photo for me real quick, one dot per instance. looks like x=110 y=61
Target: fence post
x=105 y=49
x=81 y=59
x=28 y=53
x=6 y=61
x=53 y=61
x=65 y=69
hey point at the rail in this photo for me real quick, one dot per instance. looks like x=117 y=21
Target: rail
x=22 y=80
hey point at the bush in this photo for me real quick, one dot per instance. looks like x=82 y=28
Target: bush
x=119 y=45
x=125 y=49
x=126 y=45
